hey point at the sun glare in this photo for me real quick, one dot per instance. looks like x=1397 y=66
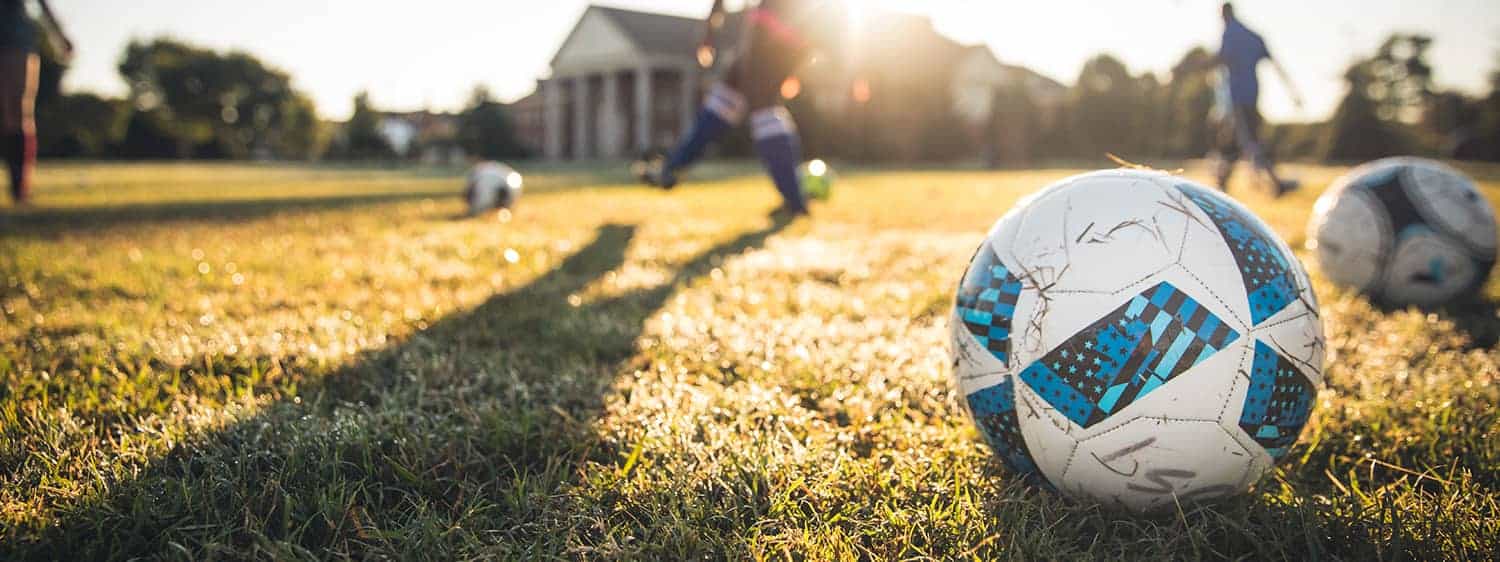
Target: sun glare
x=855 y=14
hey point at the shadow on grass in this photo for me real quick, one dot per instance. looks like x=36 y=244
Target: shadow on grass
x=1479 y=319
x=46 y=222
x=474 y=423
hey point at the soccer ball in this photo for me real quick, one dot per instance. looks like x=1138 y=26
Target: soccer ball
x=492 y=185
x=1136 y=339
x=817 y=180
x=1406 y=231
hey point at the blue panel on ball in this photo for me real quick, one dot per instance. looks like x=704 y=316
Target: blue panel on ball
x=1390 y=191
x=1126 y=355
x=1265 y=270
x=994 y=411
x=987 y=302
x=1279 y=401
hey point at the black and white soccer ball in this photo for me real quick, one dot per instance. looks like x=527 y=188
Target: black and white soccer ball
x=1137 y=339
x=1406 y=231
x=491 y=185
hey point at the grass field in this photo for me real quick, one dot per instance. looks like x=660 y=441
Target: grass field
x=209 y=362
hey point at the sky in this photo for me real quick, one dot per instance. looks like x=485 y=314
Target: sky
x=430 y=54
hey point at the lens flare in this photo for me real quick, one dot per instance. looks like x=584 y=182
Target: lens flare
x=860 y=91
x=791 y=88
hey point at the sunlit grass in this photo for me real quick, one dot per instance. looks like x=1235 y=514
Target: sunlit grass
x=257 y=361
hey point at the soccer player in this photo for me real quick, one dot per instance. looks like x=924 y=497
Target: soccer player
x=18 y=83
x=1239 y=56
x=770 y=50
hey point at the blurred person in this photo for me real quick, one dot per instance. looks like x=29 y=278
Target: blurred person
x=19 y=65
x=1237 y=106
x=771 y=48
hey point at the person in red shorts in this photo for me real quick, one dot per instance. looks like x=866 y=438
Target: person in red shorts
x=19 y=65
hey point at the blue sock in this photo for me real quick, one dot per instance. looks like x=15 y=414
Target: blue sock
x=722 y=110
x=780 y=149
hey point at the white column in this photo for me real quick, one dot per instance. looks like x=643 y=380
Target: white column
x=552 y=109
x=689 y=98
x=611 y=123
x=582 y=129
x=644 y=116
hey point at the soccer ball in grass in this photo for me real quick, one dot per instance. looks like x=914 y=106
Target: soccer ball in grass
x=1137 y=339
x=817 y=180
x=491 y=185
x=1406 y=231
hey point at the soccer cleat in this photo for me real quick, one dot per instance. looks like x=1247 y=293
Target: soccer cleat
x=1287 y=186
x=788 y=212
x=654 y=173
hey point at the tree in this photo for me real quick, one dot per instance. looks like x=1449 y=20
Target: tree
x=149 y=134
x=1388 y=94
x=486 y=130
x=362 y=139
x=1189 y=101
x=1398 y=78
x=74 y=125
x=1485 y=144
x=228 y=105
x=1108 y=113
x=80 y=125
x=1356 y=131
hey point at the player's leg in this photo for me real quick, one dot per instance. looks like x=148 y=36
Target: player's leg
x=775 y=53
x=18 y=76
x=1229 y=150
x=1249 y=133
x=723 y=109
x=780 y=150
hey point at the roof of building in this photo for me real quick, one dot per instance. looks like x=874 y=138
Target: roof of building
x=656 y=33
x=893 y=37
x=660 y=34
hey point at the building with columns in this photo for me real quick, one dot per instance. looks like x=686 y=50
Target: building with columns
x=622 y=83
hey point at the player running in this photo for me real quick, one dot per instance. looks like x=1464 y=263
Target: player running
x=1239 y=127
x=770 y=50
x=19 y=65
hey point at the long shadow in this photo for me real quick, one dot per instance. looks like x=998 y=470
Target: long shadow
x=1478 y=318
x=52 y=221
x=323 y=470
x=1475 y=316
x=45 y=222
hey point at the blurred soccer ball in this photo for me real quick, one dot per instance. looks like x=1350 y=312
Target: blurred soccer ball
x=817 y=180
x=492 y=185
x=1137 y=339
x=1406 y=231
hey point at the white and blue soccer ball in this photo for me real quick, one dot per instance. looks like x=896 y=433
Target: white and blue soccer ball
x=492 y=185
x=1137 y=339
x=1406 y=231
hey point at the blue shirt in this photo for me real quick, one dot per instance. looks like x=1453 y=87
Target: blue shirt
x=1241 y=52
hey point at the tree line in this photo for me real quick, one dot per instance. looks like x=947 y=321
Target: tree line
x=189 y=102
x=1391 y=107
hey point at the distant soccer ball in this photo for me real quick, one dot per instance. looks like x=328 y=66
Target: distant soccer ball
x=492 y=185
x=1406 y=231
x=817 y=180
x=1137 y=339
